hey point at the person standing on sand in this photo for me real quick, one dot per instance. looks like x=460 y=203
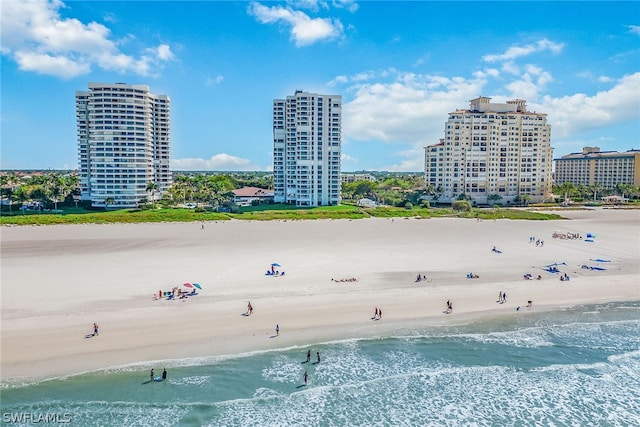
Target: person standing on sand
x=249 y=309
x=164 y=374
x=306 y=377
x=152 y=375
x=95 y=329
x=277 y=329
x=308 y=356
x=318 y=354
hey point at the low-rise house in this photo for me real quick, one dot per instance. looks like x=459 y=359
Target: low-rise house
x=246 y=195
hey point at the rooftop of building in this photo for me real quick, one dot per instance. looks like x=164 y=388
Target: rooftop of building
x=594 y=153
x=252 y=192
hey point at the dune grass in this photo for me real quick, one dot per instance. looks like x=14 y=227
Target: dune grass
x=259 y=213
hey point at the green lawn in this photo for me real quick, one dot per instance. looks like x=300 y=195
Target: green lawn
x=257 y=213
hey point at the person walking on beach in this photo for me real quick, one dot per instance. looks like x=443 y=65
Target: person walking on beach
x=504 y=297
x=152 y=375
x=249 y=309
x=500 y=297
x=318 y=354
x=95 y=329
x=308 y=356
x=306 y=377
x=277 y=329
x=379 y=313
x=375 y=316
x=164 y=374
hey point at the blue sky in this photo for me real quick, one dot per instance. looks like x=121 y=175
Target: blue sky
x=400 y=67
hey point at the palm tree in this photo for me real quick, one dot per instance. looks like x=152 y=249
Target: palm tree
x=567 y=188
x=152 y=187
x=55 y=188
x=624 y=189
x=596 y=188
x=22 y=195
x=524 y=198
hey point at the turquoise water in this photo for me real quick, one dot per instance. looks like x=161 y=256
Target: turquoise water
x=576 y=367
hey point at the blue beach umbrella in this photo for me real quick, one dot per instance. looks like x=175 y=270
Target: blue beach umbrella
x=197 y=285
x=275 y=264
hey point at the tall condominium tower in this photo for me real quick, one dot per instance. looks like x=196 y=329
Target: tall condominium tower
x=307 y=137
x=492 y=153
x=123 y=144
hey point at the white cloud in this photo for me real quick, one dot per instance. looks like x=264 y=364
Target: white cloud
x=35 y=36
x=337 y=80
x=589 y=76
x=214 y=80
x=573 y=114
x=51 y=65
x=635 y=29
x=164 y=52
x=605 y=79
x=514 y=52
x=511 y=68
x=410 y=109
x=347 y=158
x=415 y=164
x=218 y=162
x=304 y=30
x=313 y=5
x=350 y=5
x=530 y=84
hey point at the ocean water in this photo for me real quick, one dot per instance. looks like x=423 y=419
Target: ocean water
x=575 y=367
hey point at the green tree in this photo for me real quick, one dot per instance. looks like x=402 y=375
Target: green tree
x=56 y=188
x=567 y=188
x=22 y=195
x=493 y=198
x=595 y=189
x=524 y=198
x=108 y=202
x=152 y=187
x=623 y=189
x=461 y=205
x=5 y=188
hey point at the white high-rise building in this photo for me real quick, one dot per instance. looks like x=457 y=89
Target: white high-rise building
x=123 y=144
x=307 y=140
x=492 y=153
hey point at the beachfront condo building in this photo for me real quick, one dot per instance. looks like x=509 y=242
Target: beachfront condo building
x=123 y=144
x=492 y=153
x=307 y=140
x=605 y=168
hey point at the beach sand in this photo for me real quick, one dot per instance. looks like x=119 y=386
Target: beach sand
x=58 y=280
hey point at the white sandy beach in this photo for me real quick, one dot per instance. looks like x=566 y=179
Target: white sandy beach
x=58 y=280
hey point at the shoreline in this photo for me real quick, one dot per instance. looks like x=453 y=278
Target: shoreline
x=393 y=330
x=44 y=319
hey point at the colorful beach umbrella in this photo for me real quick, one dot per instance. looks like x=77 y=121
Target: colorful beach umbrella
x=275 y=264
x=197 y=285
x=188 y=285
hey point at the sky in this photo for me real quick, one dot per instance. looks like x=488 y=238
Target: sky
x=400 y=68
